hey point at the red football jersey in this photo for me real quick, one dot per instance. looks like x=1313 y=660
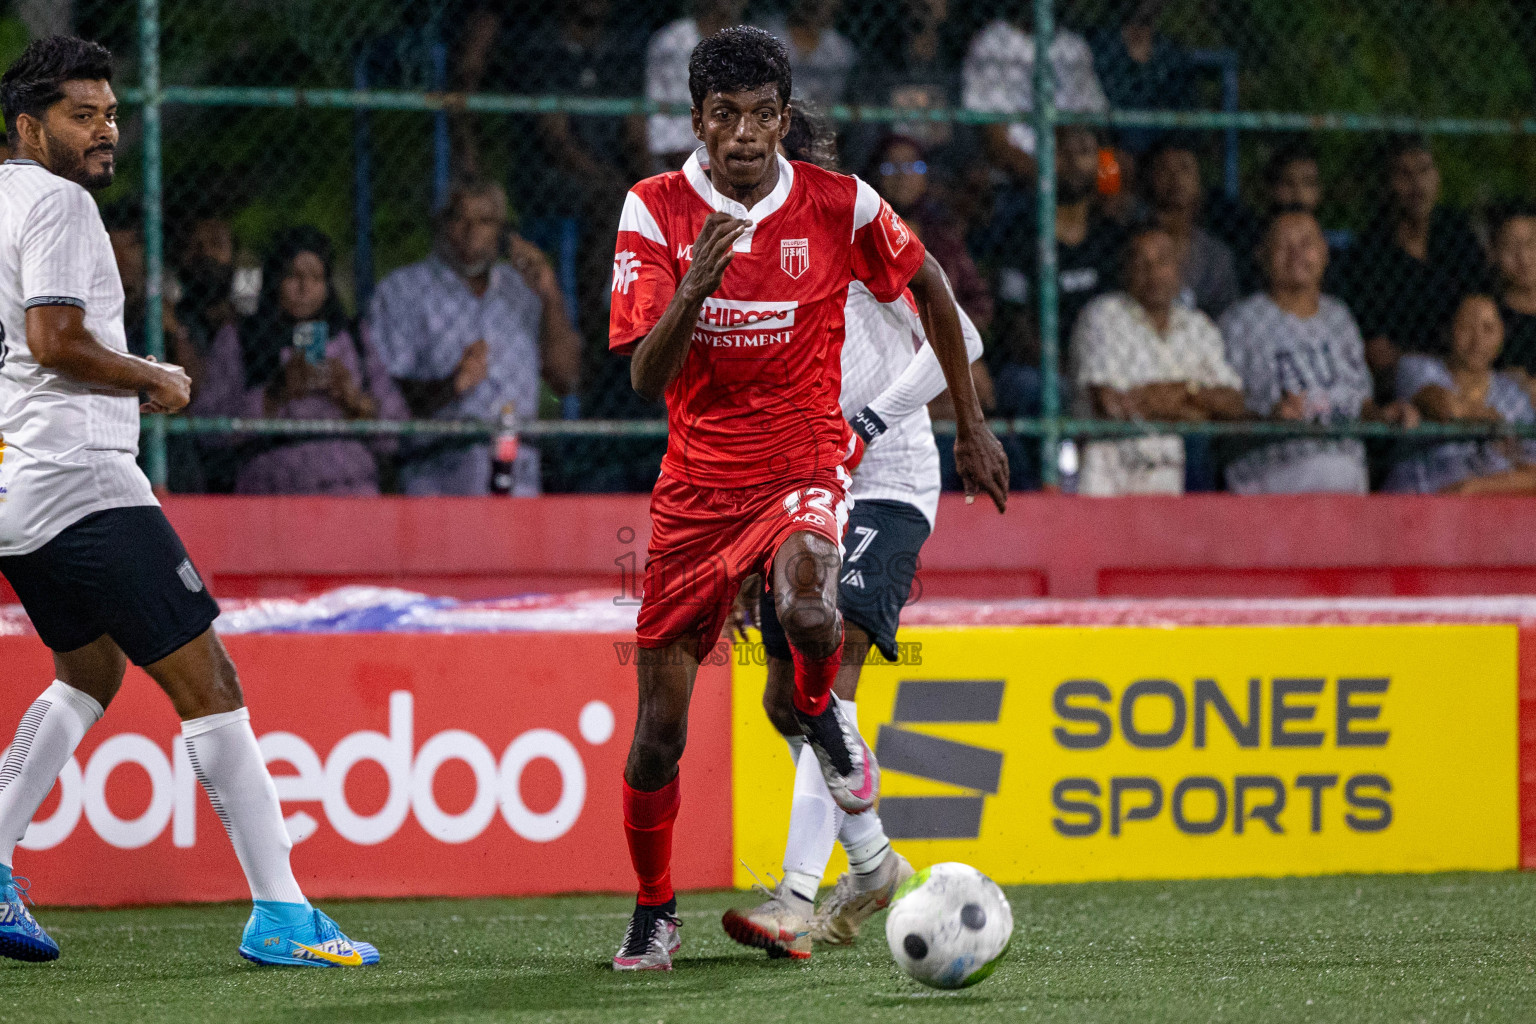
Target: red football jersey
x=757 y=398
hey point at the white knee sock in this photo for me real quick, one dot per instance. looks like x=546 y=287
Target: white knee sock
x=862 y=835
x=813 y=821
x=45 y=738
x=227 y=761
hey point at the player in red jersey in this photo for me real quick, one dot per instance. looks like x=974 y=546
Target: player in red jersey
x=729 y=283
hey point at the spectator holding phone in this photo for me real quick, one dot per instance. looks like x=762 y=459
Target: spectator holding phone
x=469 y=332
x=297 y=358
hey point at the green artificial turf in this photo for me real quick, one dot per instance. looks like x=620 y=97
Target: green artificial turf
x=1353 y=949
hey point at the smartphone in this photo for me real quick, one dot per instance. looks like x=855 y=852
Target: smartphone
x=311 y=338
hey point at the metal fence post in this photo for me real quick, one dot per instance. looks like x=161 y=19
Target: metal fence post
x=1045 y=153
x=154 y=227
x=362 y=191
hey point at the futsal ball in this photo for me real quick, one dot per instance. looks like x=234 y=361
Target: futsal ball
x=949 y=925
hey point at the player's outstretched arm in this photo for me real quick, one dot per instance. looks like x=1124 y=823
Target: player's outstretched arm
x=59 y=341
x=659 y=356
x=979 y=456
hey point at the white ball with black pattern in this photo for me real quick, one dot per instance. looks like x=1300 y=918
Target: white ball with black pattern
x=949 y=926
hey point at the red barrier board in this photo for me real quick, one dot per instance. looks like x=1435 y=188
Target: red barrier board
x=468 y=765
x=1198 y=545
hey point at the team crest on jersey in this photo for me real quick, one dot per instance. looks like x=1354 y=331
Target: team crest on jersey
x=795 y=256
x=897 y=234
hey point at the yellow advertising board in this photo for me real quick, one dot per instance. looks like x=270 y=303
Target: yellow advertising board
x=1056 y=754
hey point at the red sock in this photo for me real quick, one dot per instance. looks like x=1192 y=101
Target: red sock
x=814 y=678
x=648 y=819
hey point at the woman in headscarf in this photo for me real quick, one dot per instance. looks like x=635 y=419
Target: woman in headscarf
x=298 y=358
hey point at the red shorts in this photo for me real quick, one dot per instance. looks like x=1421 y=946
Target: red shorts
x=706 y=540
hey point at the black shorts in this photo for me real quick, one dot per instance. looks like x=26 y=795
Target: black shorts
x=121 y=573
x=879 y=560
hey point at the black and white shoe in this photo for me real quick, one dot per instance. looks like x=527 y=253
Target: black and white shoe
x=847 y=763
x=650 y=940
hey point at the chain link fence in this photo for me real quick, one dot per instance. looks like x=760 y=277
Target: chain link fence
x=380 y=234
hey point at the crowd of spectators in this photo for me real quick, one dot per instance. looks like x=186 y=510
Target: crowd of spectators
x=471 y=332
x=1177 y=301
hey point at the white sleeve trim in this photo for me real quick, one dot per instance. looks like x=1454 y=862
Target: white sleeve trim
x=637 y=218
x=866 y=204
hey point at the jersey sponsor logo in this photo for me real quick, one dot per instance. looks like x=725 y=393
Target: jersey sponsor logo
x=626 y=269
x=722 y=315
x=756 y=339
x=896 y=233
x=795 y=256
x=189 y=577
x=685 y=252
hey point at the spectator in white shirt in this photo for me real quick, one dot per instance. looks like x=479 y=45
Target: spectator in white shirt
x=671 y=137
x=998 y=77
x=1139 y=355
x=820 y=57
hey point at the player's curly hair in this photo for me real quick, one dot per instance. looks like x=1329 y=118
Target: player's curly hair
x=738 y=59
x=810 y=137
x=35 y=81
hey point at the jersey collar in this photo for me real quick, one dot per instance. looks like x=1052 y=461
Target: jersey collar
x=23 y=161
x=697 y=172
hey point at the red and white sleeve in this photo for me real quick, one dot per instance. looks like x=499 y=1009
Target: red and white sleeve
x=644 y=276
x=886 y=253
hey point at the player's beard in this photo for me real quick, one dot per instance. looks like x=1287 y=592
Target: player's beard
x=72 y=165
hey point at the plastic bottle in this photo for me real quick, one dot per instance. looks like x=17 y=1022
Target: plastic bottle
x=1067 y=466
x=504 y=450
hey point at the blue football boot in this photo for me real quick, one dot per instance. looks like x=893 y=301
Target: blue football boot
x=298 y=935
x=21 y=937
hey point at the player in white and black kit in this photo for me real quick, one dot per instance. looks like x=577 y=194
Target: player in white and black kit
x=890 y=374
x=83 y=541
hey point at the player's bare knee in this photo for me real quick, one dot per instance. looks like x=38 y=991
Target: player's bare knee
x=95 y=669
x=809 y=620
x=226 y=677
x=653 y=759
